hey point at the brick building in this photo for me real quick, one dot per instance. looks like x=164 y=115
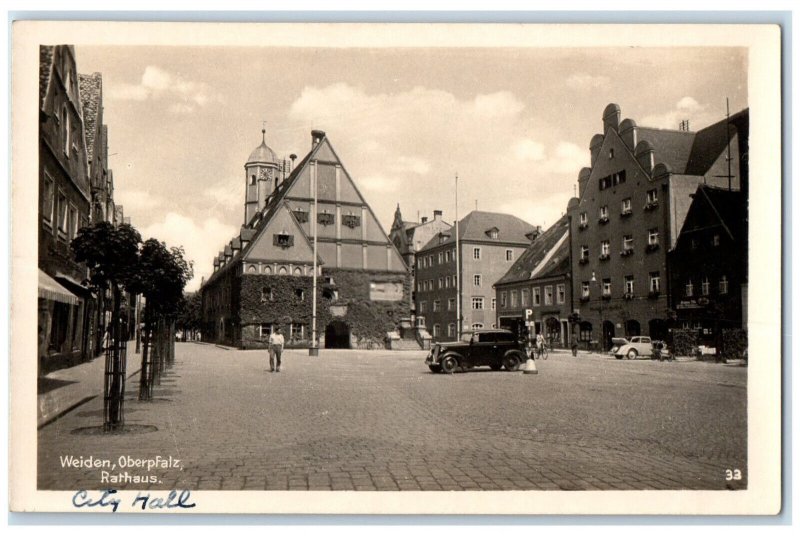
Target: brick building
x=263 y=277
x=409 y=236
x=708 y=266
x=632 y=203
x=539 y=281
x=65 y=304
x=489 y=244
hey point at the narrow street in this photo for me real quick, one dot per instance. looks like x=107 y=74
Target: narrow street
x=359 y=420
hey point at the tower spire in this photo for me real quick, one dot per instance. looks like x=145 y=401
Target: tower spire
x=264 y=132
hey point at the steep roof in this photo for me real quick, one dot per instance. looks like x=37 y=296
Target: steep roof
x=710 y=143
x=547 y=256
x=474 y=226
x=46 y=53
x=727 y=205
x=90 y=86
x=671 y=147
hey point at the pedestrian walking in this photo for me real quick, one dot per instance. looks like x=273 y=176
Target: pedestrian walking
x=574 y=344
x=276 y=343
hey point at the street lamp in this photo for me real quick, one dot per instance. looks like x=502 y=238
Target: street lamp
x=602 y=327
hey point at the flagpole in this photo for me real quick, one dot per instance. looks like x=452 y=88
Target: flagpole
x=458 y=272
x=313 y=350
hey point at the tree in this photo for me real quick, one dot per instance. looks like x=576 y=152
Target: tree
x=189 y=318
x=111 y=254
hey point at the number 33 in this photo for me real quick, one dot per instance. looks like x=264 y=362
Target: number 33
x=734 y=474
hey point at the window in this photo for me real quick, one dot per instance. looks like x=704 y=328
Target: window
x=451 y=304
x=605 y=249
x=441 y=257
x=477 y=303
x=652 y=237
x=351 y=221
x=477 y=325
x=514 y=298
x=618 y=178
x=48 y=198
x=503 y=299
x=476 y=280
x=584 y=253
x=447 y=256
x=537 y=297
x=652 y=196
x=283 y=240
x=509 y=255
x=436 y=306
x=626 y=206
x=441 y=282
x=476 y=253
x=627 y=243
x=628 y=284
x=548 y=295
x=67 y=130
x=605 y=182
x=72 y=225
x=611 y=153
x=447 y=281
x=423 y=306
x=606 y=288
x=705 y=287
x=493 y=233
x=436 y=329
x=325 y=218
x=265 y=330
x=62 y=212
x=715 y=240
x=451 y=330
x=561 y=293
x=300 y=294
x=455 y=281
x=689 y=289
x=297 y=331
x=584 y=220
x=252 y=180
x=494 y=304
x=655 y=282
x=723 y=285
x=585 y=289
x=603 y=217
x=524 y=297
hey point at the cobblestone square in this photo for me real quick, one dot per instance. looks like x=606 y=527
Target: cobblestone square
x=379 y=420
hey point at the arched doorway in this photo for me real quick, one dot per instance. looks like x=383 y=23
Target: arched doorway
x=608 y=334
x=552 y=331
x=632 y=328
x=337 y=335
x=658 y=329
x=585 y=332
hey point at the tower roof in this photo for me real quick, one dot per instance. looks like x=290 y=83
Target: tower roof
x=262 y=154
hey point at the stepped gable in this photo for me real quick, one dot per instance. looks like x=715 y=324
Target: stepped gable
x=548 y=255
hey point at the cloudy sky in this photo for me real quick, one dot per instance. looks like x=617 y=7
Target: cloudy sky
x=515 y=124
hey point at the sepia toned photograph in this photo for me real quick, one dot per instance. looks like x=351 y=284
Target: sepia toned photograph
x=413 y=273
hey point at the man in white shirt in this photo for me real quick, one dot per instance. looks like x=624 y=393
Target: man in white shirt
x=276 y=343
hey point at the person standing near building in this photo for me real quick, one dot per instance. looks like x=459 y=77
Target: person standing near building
x=276 y=343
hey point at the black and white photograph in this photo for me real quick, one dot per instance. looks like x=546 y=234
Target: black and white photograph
x=411 y=268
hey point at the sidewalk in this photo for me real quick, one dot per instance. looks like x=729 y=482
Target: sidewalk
x=63 y=390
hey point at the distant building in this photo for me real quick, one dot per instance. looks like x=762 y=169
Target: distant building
x=540 y=282
x=263 y=277
x=489 y=244
x=708 y=266
x=632 y=203
x=409 y=236
x=64 y=306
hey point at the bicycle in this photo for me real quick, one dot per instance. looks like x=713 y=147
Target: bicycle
x=542 y=352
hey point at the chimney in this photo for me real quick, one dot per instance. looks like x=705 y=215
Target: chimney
x=424 y=219
x=534 y=234
x=437 y=214
x=316 y=137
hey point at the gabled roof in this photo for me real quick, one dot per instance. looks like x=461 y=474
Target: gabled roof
x=671 y=147
x=474 y=226
x=547 y=256
x=710 y=143
x=726 y=206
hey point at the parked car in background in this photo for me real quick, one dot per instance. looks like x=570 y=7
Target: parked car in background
x=616 y=343
x=637 y=347
x=494 y=348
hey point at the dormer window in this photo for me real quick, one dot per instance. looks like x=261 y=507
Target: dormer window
x=610 y=153
x=493 y=233
x=283 y=240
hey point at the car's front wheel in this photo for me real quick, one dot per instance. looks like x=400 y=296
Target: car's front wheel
x=511 y=362
x=449 y=364
x=435 y=368
x=632 y=354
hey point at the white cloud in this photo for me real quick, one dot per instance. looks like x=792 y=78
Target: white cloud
x=411 y=164
x=528 y=149
x=157 y=84
x=137 y=201
x=500 y=104
x=226 y=196
x=587 y=81
x=685 y=109
x=201 y=241
x=378 y=183
x=568 y=159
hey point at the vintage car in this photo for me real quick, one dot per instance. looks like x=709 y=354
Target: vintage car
x=637 y=347
x=494 y=348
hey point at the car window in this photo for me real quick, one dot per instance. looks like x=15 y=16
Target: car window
x=646 y=339
x=485 y=337
x=505 y=337
x=635 y=339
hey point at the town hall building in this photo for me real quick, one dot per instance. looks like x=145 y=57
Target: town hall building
x=263 y=276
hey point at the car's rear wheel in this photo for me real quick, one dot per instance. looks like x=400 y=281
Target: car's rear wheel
x=511 y=362
x=449 y=364
x=632 y=354
x=435 y=368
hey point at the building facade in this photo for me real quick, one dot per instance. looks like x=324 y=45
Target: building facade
x=489 y=243
x=708 y=266
x=632 y=203
x=409 y=236
x=65 y=304
x=263 y=277
x=539 y=282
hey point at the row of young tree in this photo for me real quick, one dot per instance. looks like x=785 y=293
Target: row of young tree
x=120 y=262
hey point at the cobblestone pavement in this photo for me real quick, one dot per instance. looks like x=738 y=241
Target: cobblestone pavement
x=352 y=420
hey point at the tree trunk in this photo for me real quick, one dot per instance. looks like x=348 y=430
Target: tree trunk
x=144 y=374
x=115 y=370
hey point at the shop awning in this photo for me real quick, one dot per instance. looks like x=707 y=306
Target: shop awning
x=50 y=289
